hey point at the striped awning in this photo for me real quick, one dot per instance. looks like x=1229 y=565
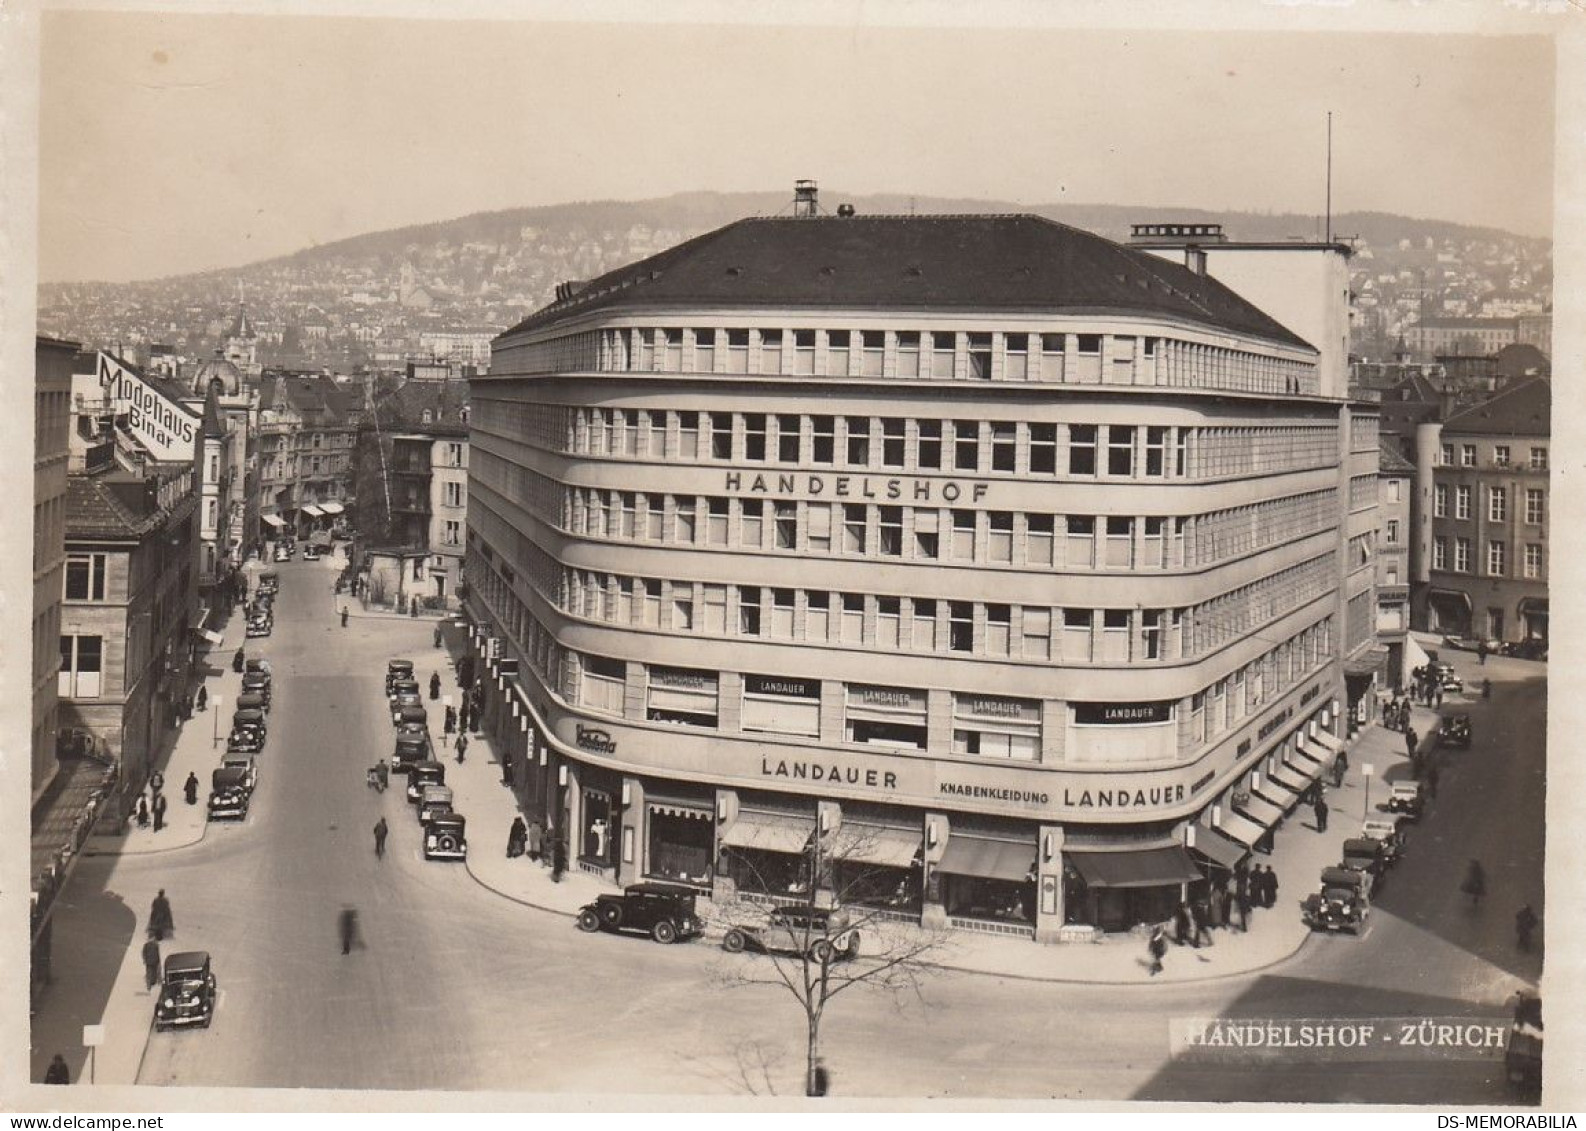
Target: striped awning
x=988 y=858
x=1278 y=793
x=273 y=519
x=1262 y=811
x=1309 y=753
x=1290 y=778
x=1240 y=828
x=669 y=808
x=1221 y=850
x=876 y=844
x=331 y=508
x=1332 y=743
x=769 y=832
x=312 y=511
x=1148 y=868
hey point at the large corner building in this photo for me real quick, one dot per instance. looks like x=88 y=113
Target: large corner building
x=1030 y=560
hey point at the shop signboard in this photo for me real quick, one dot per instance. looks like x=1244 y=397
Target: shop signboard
x=167 y=428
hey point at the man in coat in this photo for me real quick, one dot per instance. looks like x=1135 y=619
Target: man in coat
x=1321 y=811
x=1340 y=768
x=190 y=788
x=1181 y=924
x=161 y=922
x=435 y=685
x=159 y=811
x=1269 y=888
x=57 y=1072
x=151 y=961
x=517 y=838
x=380 y=831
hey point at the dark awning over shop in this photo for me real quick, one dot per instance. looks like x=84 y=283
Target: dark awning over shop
x=987 y=858
x=1278 y=793
x=1290 y=778
x=1218 y=848
x=1143 y=868
x=1310 y=757
x=1240 y=828
x=1262 y=811
x=769 y=832
x=1331 y=742
x=875 y=844
x=1368 y=663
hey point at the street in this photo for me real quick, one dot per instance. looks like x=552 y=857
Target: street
x=455 y=988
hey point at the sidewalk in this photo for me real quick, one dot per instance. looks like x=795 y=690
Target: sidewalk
x=195 y=751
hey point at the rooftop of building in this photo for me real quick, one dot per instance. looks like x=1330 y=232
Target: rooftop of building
x=1010 y=262
x=315 y=397
x=1524 y=409
x=116 y=503
x=445 y=402
x=1391 y=460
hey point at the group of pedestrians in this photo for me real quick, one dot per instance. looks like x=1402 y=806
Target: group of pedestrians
x=152 y=803
x=1227 y=904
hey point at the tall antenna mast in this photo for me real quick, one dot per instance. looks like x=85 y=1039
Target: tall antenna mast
x=1329 y=176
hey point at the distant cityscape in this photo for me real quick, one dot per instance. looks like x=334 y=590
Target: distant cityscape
x=441 y=292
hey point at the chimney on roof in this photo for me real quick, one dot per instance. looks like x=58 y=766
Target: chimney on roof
x=804 y=202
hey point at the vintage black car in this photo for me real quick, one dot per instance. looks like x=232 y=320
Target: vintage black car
x=245 y=740
x=665 y=912
x=249 y=718
x=411 y=748
x=421 y=774
x=410 y=716
x=445 y=837
x=822 y=935
x=395 y=670
x=1532 y=648
x=1365 y=855
x=433 y=801
x=1341 y=904
x=404 y=686
x=244 y=762
x=258 y=627
x=228 y=794
x=1387 y=834
x=256 y=664
x=311 y=553
x=252 y=701
x=1405 y=797
x=257 y=683
x=187 y=992
x=1455 y=731
x=1445 y=677
x=269 y=582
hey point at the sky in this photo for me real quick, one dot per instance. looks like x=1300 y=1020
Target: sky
x=178 y=142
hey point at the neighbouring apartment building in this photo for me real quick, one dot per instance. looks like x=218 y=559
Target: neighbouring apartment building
x=1485 y=534
x=308 y=425
x=1011 y=571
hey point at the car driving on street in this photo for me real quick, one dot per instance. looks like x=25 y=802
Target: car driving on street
x=821 y=934
x=665 y=912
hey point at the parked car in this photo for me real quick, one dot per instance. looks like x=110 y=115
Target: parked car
x=249 y=718
x=398 y=687
x=252 y=701
x=1341 y=904
x=1455 y=731
x=311 y=553
x=433 y=801
x=1443 y=672
x=1532 y=648
x=228 y=794
x=1386 y=833
x=257 y=683
x=1405 y=797
x=446 y=837
x=245 y=740
x=187 y=991
x=421 y=774
x=269 y=582
x=246 y=763
x=410 y=716
x=256 y=664
x=258 y=627
x=395 y=670
x=283 y=552
x=663 y=911
x=823 y=935
x=1365 y=855
x=411 y=748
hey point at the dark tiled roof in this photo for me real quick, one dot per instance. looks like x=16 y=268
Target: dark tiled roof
x=318 y=398
x=1524 y=410
x=92 y=510
x=444 y=400
x=1391 y=459
x=1012 y=263
x=1522 y=359
x=213 y=428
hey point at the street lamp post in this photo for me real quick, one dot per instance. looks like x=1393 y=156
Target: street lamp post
x=215 y=702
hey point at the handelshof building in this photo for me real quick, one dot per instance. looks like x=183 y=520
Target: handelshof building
x=52 y=422
x=412 y=487
x=1011 y=569
x=1485 y=535
x=308 y=425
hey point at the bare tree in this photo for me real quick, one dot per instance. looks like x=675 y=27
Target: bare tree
x=817 y=946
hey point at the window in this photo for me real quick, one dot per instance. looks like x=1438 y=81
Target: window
x=964 y=535
x=754 y=437
x=1043 y=449
x=1016 y=356
x=930 y=454
x=1497 y=504
x=1038 y=539
x=908 y=353
x=454 y=494
x=720 y=435
x=1439 y=553
x=674 y=351
x=1495 y=558
x=1076 y=634
x=685 y=519
x=1003 y=446
x=924 y=626
x=82 y=666
x=1461 y=555
x=980 y=356
x=771 y=351
x=824 y=449
x=85 y=577
x=1082 y=449
x=749 y=610
x=1151 y=634
x=873 y=343
x=787 y=439
x=1533 y=560
x=1155 y=550
x=688 y=435
x=1036 y=629
x=454 y=455
x=891 y=531
x=1500 y=455
x=889 y=618
x=853 y=528
x=927 y=542
x=1538 y=459
x=853 y=625
x=1156 y=451
x=683 y=610
x=738 y=351
x=892 y=442
x=1120 y=450
x=454 y=533
x=1445 y=455
x=943 y=344
x=787 y=525
x=1089 y=343
x=1393 y=532
x=1081 y=549
x=1462 y=501
x=960 y=626
x=818 y=617
x=653 y=516
x=713 y=609
x=1115 y=635
x=966 y=445
x=859 y=441
x=820 y=527
x=837 y=351
x=804 y=353
x=1467 y=455
x=782 y=601
x=1440 y=501
x=752 y=512
x=1052 y=356
x=999 y=623
x=1120 y=543
x=716 y=522
x=999 y=544
x=1533 y=505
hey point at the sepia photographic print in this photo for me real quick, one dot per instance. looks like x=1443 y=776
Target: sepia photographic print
x=789 y=556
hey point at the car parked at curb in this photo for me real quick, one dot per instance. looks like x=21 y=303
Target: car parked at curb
x=1454 y=730
x=822 y=935
x=665 y=912
x=446 y=837
x=421 y=774
x=247 y=763
x=1341 y=904
x=187 y=991
x=228 y=795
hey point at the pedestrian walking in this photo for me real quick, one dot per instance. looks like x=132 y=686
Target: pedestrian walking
x=1321 y=813
x=507 y=772
x=57 y=1072
x=349 y=928
x=161 y=921
x=517 y=838
x=159 y=811
x=435 y=685
x=1198 y=921
x=380 y=831
x=462 y=716
x=451 y=720
x=1181 y=924
x=1437 y=695
x=437 y=636
x=1217 y=905
x=462 y=748
x=382 y=773
x=558 y=858
x=151 y=961
x=1157 y=947
x=157 y=782
x=535 y=839
x=1525 y=922
x=190 y=788
x=1340 y=768
x=344 y=616
x=202 y=702
x=143 y=811
x=1475 y=884
x=1269 y=887
x=1242 y=906
x=1481 y=653
x=1412 y=742
x=237 y=659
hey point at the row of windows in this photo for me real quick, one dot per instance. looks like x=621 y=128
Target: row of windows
x=1226 y=703
x=1092 y=359
x=1364 y=433
x=1497 y=503
x=906 y=444
x=1500 y=455
x=1497 y=557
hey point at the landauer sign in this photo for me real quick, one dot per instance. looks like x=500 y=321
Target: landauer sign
x=898 y=488
x=167 y=429
x=1113 y=714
